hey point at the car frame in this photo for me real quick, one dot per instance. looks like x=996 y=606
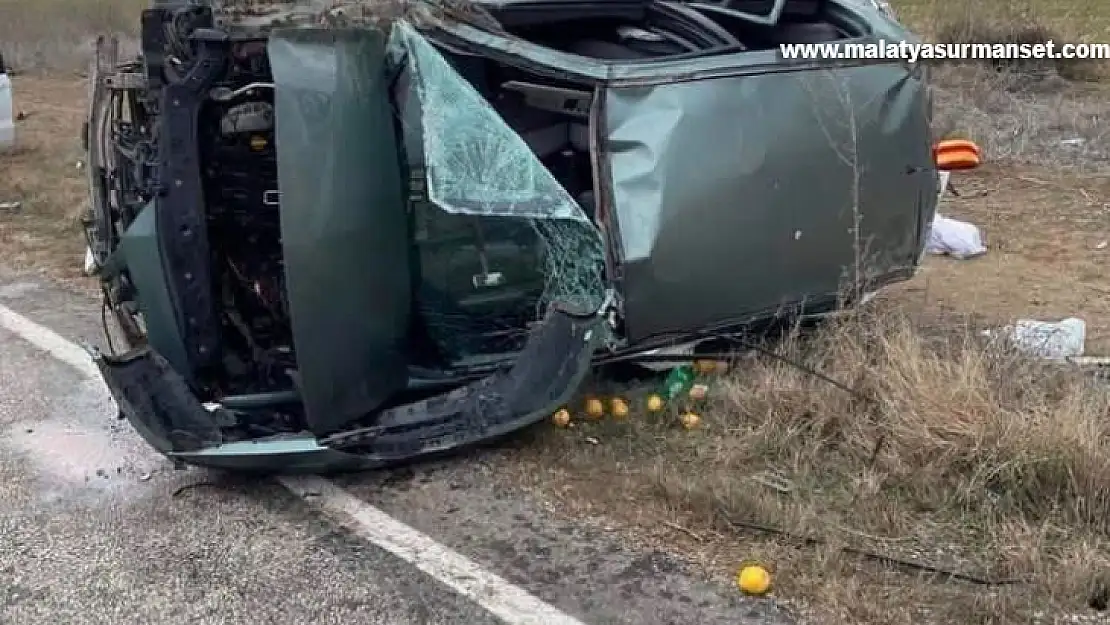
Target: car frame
x=695 y=196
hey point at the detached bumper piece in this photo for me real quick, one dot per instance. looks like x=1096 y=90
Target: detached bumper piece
x=162 y=408
x=159 y=403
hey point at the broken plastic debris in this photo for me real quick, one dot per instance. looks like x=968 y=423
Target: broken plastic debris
x=699 y=391
x=956 y=154
x=1048 y=339
x=955 y=238
x=91 y=266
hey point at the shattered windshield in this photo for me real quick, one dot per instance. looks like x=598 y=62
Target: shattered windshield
x=473 y=164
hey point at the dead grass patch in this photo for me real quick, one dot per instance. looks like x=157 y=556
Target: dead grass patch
x=1015 y=23
x=42 y=174
x=1020 y=119
x=952 y=452
x=58 y=35
x=1070 y=20
x=1048 y=112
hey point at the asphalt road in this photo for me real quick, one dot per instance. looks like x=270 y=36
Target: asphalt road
x=96 y=528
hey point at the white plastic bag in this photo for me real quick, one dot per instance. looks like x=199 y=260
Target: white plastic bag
x=91 y=266
x=956 y=238
x=1047 y=339
x=7 y=112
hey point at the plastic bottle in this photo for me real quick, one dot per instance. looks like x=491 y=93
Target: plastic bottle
x=678 y=381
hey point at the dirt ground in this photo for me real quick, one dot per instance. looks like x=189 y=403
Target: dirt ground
x=1048 y=236
x=44 y=175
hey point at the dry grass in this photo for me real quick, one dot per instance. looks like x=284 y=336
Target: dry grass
x=1040 y=112
x=42 y=175
x=951 y=452
x=48 y=43
x=1021 y=119
x=1070 y=20
x=57 y=35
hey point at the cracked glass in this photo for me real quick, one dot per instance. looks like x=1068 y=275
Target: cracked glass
x=472 y=164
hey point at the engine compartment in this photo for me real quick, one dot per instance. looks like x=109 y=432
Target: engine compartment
x=240 y=184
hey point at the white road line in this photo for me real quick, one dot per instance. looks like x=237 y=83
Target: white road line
x=501 y=598
x=506 y=601
x=48 y=341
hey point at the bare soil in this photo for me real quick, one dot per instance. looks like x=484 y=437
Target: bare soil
x=43 y=174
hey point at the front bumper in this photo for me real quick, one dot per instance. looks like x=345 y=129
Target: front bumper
x=168 y=415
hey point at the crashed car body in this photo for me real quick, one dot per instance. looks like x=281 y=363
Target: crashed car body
x=350 y=237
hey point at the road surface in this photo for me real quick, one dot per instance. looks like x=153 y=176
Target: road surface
x=96 y=528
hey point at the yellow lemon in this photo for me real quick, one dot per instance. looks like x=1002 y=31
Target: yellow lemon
x=619 y=408
x=595 y=408
x=561 y=418
x=699 y=391
x=655 y=403
x=754 y=580
x=690 y=420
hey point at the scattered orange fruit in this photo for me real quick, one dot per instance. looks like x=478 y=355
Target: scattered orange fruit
x=690 y=420
x=595 y=408
x=754 y=580
x=561 y=418
x=619 y=408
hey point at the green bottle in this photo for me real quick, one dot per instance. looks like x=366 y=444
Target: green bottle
x=678 y=381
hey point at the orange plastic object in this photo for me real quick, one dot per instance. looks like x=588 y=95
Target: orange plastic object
x=954 y=154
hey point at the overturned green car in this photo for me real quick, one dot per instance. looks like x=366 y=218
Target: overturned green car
x=352 y=235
